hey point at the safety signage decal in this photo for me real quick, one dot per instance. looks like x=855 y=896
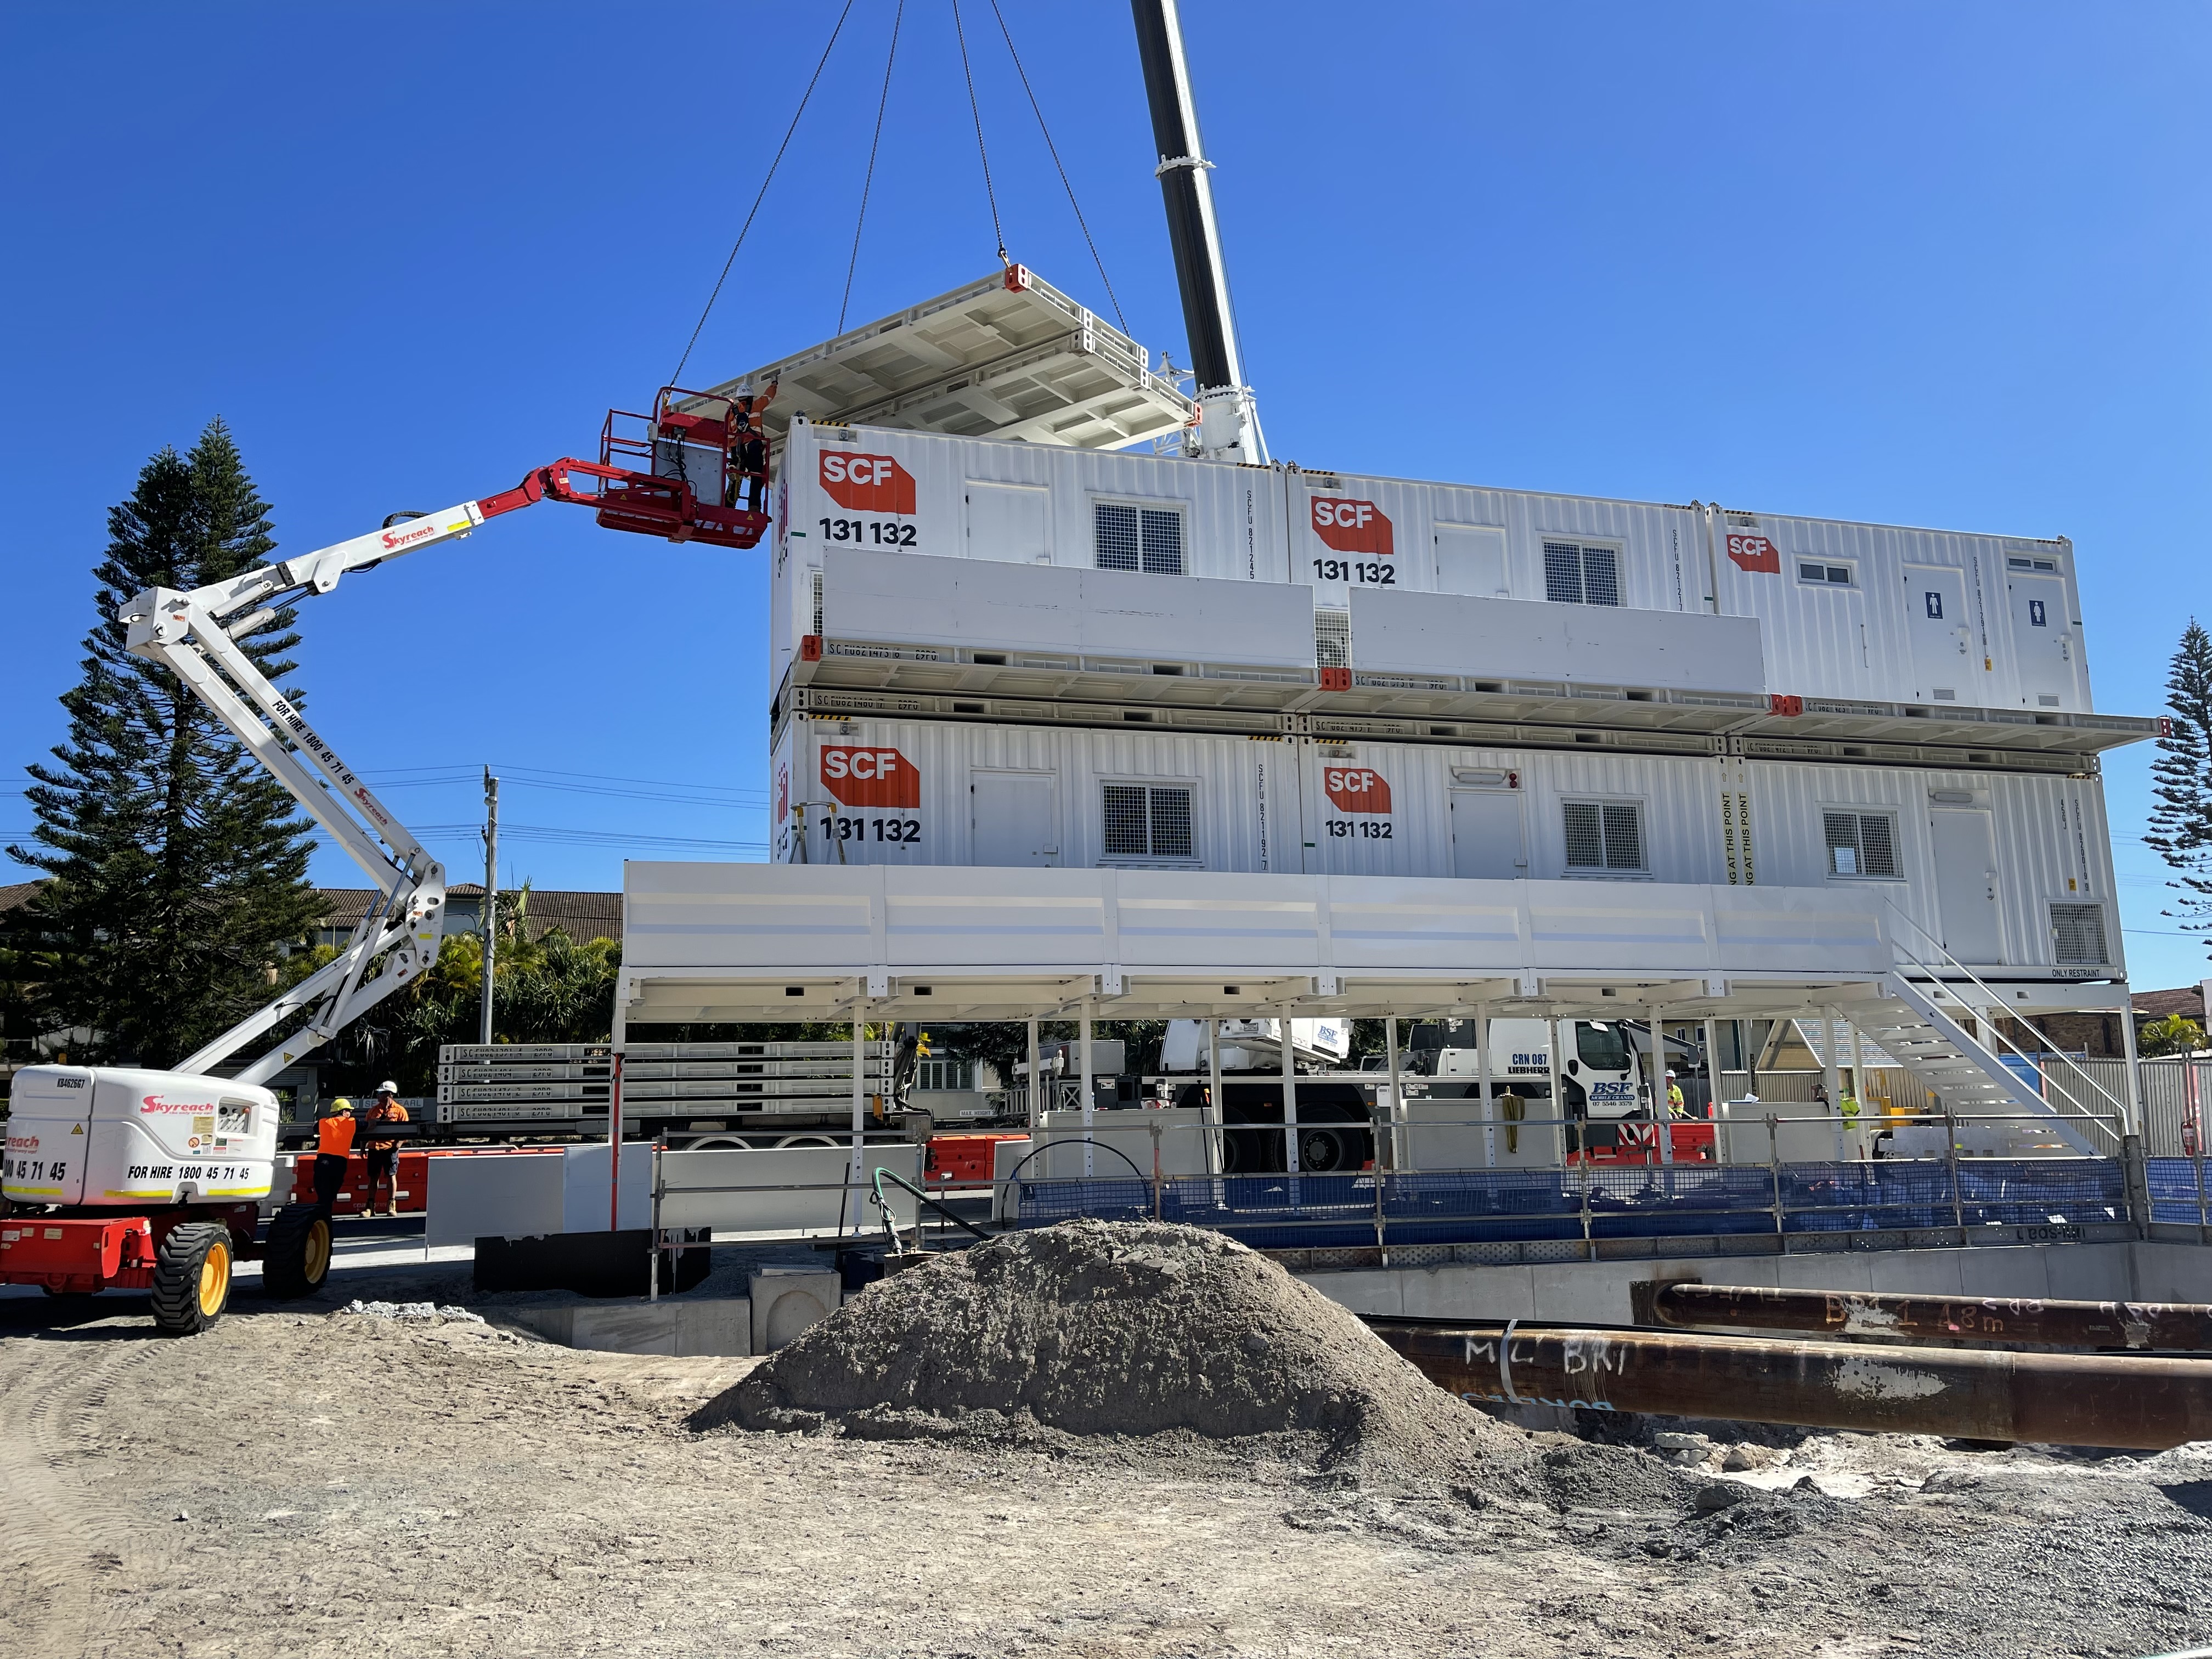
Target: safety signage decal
x=866 y=483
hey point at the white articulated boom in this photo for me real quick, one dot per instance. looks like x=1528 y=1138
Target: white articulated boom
x=705 y=480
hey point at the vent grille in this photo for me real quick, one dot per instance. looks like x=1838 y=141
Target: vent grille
x=1604 y=834
x=1144 y=539
x=1147 y=821
x=1333 y=639
x=2077 y=935
x=1861 y=843
x=1575 y=573
x=817 y=630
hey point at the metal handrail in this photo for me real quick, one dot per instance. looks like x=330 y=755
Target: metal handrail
x=1995 y=1001
x=883 y=1208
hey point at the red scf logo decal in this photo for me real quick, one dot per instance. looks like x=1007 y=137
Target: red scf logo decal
x=871 y=777
x=1755 y=554
x=1356 y=788
x=867 y=483
x=1351 y=526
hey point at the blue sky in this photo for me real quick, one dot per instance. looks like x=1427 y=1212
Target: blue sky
x=1941 y=265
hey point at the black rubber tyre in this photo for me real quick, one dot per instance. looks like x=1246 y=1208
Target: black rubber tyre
x=1323 y=1152
x=297 y=1258
x=191 y=1278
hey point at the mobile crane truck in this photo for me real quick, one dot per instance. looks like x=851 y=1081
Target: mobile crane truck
x=119 y=1177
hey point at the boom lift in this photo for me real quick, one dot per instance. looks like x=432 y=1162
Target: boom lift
x=141 y=1179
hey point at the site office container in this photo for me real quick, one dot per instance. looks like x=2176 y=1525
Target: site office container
x=2007 y=871
x=1911 y=616
x=1894 y=613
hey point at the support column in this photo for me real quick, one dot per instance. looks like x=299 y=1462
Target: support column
x=1662 y=1120
x=1035 y=1094
x=1397 y=1095
x=1858 y=1076
x=853 y=1212
x=1219 y=1113
x=2134 y=1126
x=1831 y=1074
x=1290 y=1098
x=1482 y=1086
x=1713 y=1070
x=1090 y=1099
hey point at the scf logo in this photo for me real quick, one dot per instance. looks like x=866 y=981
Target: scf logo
x=871 y=777
x=867 y=483
x=1755 y=554
x=1351 y=526
x=1356 y=789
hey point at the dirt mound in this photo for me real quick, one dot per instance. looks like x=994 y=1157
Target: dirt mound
x=1104 y=1329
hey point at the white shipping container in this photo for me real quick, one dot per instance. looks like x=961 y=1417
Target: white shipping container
x=2005 y=871
x=1848 y=611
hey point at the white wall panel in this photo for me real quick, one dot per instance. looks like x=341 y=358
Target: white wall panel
x=1577 y=644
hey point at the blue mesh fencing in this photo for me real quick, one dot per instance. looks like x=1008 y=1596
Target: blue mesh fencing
x=1281 y=1212
x=2174 y=1190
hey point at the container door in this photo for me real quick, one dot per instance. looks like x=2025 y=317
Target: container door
x=1016 y=818
x=1010 y=523
x=1966 y=886
x=1944 y=669
x=1471 y=559
x=2043 y=639
x=1486 y=835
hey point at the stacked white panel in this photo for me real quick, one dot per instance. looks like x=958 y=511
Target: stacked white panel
x=1848 y=610
x=947 y=793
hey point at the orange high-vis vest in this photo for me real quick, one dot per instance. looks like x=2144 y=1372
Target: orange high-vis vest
x=334 y=1136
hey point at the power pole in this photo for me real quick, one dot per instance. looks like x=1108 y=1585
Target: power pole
x=490 y=896
x=1229 y=421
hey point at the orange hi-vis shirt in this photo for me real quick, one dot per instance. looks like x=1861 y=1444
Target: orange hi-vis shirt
x=334 y=1136
x=395 y=1112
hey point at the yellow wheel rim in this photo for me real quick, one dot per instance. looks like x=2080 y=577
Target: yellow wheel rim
x=316 y=1257
x=214 y=1280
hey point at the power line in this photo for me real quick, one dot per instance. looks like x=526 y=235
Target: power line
x=869 y=183
x=803 y=101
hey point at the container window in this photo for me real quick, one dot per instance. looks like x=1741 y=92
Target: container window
x=1861 y=843
x=1332 y=639
x=2077 y=935
x=2018 y=563
x=1575 y=573
x=1147 y=821
x=1147 y=538
x=945 y=1075
x=1818 y=570
x=1604 y=834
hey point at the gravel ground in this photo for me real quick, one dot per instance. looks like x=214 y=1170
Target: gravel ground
x=332 y=1483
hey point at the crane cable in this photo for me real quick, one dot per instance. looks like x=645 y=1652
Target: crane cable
x=975 y=109
x=868 y=183
x=1054 y=151
x=804 y=98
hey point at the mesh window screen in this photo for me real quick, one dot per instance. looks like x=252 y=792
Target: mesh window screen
x=1163 y=533
x=1172 y=823
x=1624 y=837
x=1842 y=829
x=1877 y=844
x=1125 y=832
x=1585 y=838
x=2078 y=933
x=1333 y=639
x=1117 y=536
x=1601 y=576
x=1563 y=572
x=817 y=624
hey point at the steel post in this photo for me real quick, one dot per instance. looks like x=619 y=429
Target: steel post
x=2068 y=1400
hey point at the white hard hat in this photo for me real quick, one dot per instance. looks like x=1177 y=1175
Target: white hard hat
x=1670 y=1075
x=387 y=1087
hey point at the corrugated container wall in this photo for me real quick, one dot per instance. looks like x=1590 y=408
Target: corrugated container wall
x=1848 y=611
x=1975 y=860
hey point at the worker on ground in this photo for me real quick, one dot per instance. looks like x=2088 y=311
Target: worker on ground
x=384 y=1155
x=334 y=1147
x=1676 y=1105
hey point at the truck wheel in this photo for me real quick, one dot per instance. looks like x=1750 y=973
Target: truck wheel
x=1322 y=1151
x=191 y=1278
x=297 y=1258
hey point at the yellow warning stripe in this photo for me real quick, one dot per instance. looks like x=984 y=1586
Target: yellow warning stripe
x=55 y=1191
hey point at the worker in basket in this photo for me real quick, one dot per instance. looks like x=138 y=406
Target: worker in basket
x=384 y=1155
x=334 y=1147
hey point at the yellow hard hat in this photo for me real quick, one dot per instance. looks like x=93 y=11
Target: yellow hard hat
x=341 y=1104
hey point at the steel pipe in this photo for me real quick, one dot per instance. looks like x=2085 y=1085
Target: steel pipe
x=2171 y=1326
x=2072 y=1400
